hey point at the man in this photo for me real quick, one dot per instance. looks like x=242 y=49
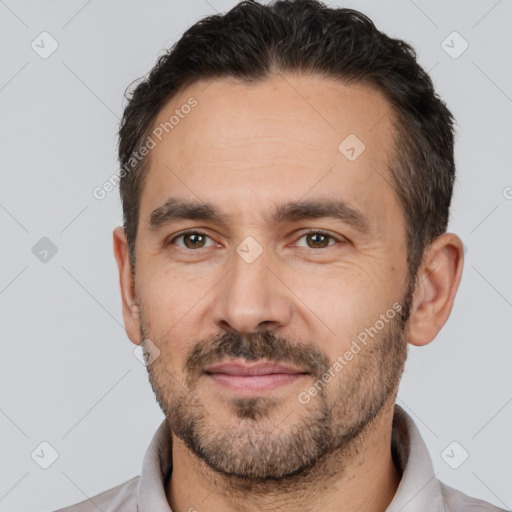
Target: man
x=286 y=178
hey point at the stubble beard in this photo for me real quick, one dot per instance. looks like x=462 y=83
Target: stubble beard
x=259 y=444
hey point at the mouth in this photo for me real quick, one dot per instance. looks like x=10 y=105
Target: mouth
x=240 y=376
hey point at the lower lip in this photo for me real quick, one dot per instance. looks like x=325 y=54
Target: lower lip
x=254 y=382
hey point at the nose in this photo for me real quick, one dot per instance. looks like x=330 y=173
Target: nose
x=252 y=297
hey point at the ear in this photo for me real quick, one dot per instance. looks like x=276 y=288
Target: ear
x=436 y=285
x=127 y=284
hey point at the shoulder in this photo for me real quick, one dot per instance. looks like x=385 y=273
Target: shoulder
x=120 y=498
x=457 y=501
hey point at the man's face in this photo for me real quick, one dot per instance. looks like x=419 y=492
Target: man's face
x=298 y=289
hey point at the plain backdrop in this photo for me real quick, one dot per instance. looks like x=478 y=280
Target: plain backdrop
x=68 y=374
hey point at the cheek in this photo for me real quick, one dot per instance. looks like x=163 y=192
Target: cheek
x=170 y=297
x=170 y=309
x=344 y=302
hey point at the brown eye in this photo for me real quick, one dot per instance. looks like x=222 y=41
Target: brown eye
x=191 y=240
x=317 y=240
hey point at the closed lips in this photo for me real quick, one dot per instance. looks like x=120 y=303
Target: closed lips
x=254 y=370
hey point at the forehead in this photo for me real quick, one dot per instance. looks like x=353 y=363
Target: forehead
x=313 y=109
x=288 y=135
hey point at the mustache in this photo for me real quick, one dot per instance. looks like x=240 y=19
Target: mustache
x=253 y=347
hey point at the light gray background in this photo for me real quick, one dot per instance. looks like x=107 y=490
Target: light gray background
x=68 y=375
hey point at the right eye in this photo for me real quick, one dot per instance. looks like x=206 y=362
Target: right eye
x=191 y=239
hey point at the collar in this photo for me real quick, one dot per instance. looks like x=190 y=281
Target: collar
x=419 y=489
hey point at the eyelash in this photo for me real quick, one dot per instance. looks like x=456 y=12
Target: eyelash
x=196 y=232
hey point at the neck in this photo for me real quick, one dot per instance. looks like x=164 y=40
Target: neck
x=361 y=476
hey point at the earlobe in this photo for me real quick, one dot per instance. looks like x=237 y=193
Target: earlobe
x=436 y=286
x=131 y=313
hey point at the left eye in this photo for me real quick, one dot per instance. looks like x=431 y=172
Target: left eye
x=192 y=240
x=319 y=239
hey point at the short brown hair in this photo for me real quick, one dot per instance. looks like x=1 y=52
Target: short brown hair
x=251 y=41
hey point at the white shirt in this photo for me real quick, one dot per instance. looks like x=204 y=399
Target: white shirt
x=419 y=489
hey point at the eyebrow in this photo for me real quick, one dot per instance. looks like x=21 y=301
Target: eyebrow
x=176 y=209
x=326 y=208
